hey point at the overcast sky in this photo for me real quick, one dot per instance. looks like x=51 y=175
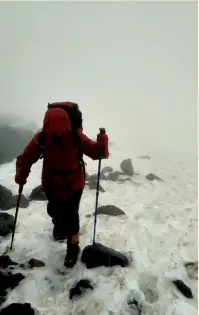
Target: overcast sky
x=131 y=66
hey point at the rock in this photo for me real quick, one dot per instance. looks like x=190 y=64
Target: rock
x=9 y=281
x=87 y=176
x=5 y=262
x=6 y=223
x=106 y=169
x=153 y=177
x=192 y=270
x=110 y=210
x=18 y=308
x=35 y=263
x=93 y=177
x=127 y=167
x=13 y=140
x=93 y=186
x=145 y=157
x=12 y=203
x=125 y=180
x=99 y=255
x=5 y=196
x=114 y=176
x=80 y=287
x=38 y=194
x=183 y=288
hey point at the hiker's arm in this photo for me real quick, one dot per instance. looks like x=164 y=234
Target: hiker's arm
x=93 y=148
x=26 y=159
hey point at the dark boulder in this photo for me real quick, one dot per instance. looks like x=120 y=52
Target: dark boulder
x=110 y=210
x=18 y=309
x=192 y=270
x=6 y=223
x=151 y=177
x=80 y=287
x=87 y=176
x=125 y=180
x=6 y=262
x=103 y=176
x=127 y=167
x=114 y=176
x=106 y=169
x=93 y=177
x=99 y=255
x=12 y=203
x=93 y=186
x=9 y=281
x=5 y=196
x=35 y=263
x=183 y=288
x=38 y=194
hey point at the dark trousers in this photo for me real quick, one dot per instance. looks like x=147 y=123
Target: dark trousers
x=65 y=213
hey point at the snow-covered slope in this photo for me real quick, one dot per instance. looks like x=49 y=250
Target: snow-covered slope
x=159 y=232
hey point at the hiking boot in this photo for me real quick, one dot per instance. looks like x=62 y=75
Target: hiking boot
x=71 y=255
x=59 y=234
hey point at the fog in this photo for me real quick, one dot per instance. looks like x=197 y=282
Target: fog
x=131 y=66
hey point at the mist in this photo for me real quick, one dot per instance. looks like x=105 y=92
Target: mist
x=131 y=67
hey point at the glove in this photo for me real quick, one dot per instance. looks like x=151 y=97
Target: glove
x=102 y=138
x=102 y=131
x=20 y=180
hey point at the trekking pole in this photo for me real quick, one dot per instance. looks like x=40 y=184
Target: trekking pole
x=102 y=131
x=16 y=214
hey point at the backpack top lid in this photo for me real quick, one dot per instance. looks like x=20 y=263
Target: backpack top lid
x=73 y=111
x=56 y=121
x=64 y=105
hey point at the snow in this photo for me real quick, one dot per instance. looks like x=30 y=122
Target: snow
x=159 y=233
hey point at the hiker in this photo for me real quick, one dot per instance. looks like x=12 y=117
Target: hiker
x=61 y=143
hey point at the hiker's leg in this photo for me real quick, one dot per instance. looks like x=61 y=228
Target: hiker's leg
x=55 y=209
x=73 y=226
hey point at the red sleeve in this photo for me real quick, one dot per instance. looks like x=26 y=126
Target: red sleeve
x=29 y=156
x=93 y=148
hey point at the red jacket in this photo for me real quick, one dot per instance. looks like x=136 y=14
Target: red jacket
x=56 y=182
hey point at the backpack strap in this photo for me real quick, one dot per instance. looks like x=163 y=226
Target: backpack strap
x=80 y=155
x=41 y=142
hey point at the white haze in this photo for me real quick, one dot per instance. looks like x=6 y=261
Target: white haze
x=131 y=66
